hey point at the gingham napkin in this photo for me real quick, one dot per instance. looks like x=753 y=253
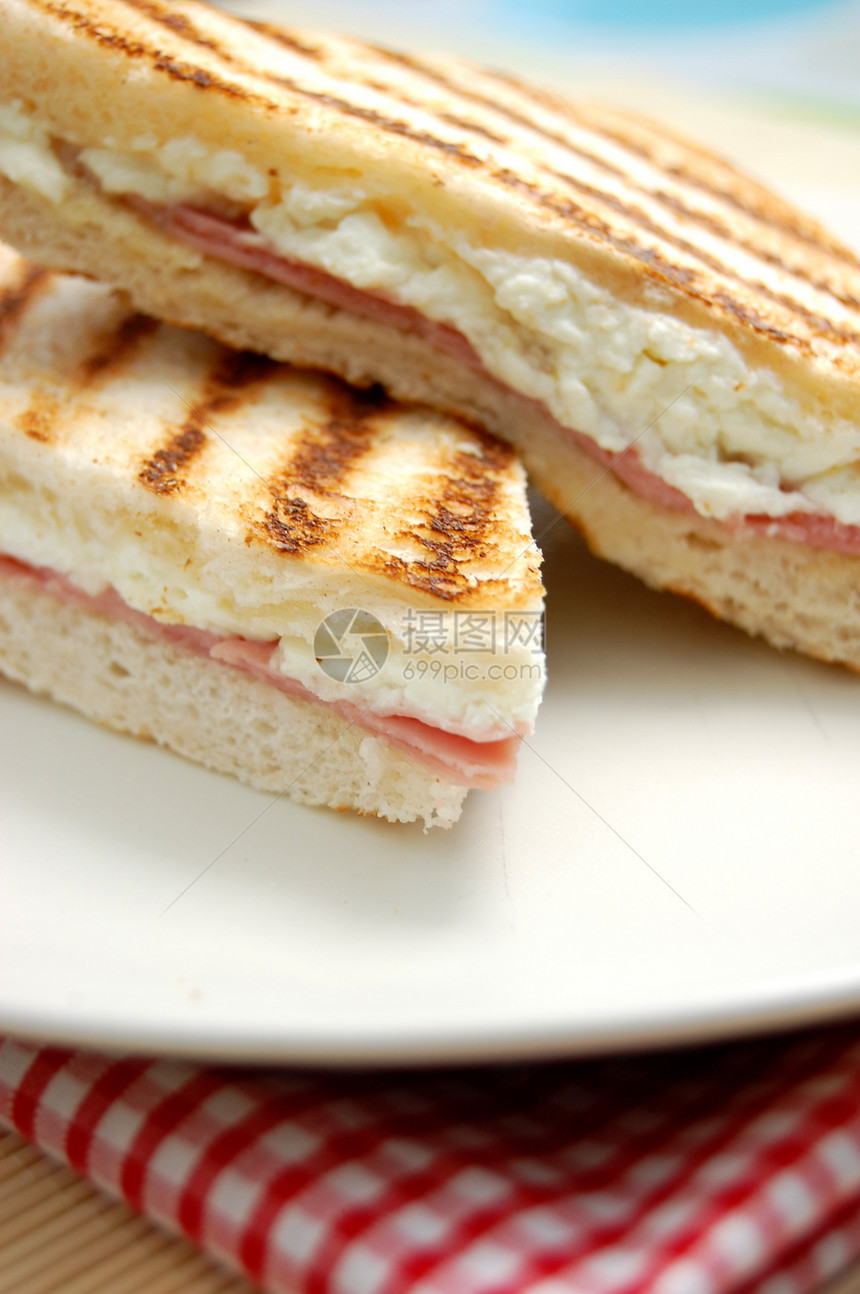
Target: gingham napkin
x=734 y=1168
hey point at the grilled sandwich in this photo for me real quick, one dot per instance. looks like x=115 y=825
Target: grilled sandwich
x=307 y=586
x=674 y=350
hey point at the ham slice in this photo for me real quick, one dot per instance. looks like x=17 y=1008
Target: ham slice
x=810 y=528
x=484 y=764
x=238 y=244
x=490 y=762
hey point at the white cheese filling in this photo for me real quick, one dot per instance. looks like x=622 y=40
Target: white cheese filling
x=730 y=438
x=26 y=156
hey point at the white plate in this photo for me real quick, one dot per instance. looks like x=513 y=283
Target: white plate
x=678 y=859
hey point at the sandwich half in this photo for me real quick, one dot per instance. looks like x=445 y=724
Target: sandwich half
x=310 y=587
x=674 y=350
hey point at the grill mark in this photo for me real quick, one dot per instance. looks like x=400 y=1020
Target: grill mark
x=763 y=213
x=318 y=466
x=116 y=348
x=39 y=419
x=189 y=72
x=180 y=71
x=450 y=118
x=166 y=471
x=175 y=68
x=591 y=224
x=16 y=299
x=96 y=31
x=462 y=522
x=429 y=73
x=283 y=37
x=184 y=28
x=816 y=322
x=679 y=276
x=291 y=526
x=717 y=227
x=175 y=22
x=751 y=317
x=462 y=124
x=162 y=472
x=792 y=224
x=389 y=124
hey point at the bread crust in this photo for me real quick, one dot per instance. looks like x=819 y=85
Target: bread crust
x=790 y=594
x=217 y=716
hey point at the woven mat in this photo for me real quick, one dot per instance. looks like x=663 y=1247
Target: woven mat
x=58 y=1234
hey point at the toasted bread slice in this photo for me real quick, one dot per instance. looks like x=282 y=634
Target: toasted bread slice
x=179 y=511
x=620 y=304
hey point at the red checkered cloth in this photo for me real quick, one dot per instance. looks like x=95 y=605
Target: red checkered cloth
x=733 y=1168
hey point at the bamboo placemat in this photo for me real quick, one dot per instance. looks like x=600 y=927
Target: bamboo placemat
x=60 y=1236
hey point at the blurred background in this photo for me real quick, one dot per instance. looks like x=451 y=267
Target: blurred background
x=805 y=50
x=774 y=84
